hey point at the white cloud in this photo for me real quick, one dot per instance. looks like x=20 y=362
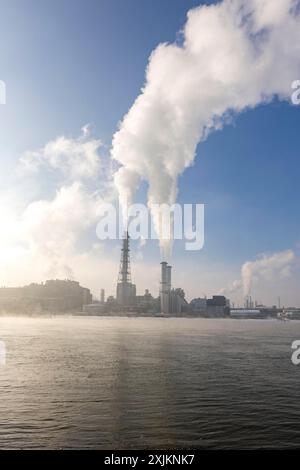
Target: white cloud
x=47 y=232
x=48 y=235
x=74 y=158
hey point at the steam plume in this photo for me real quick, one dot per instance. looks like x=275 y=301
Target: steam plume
x=234 y=55
x=265 y=268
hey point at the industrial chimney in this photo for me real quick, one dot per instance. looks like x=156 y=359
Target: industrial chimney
x=165 y=287
x=169 y=277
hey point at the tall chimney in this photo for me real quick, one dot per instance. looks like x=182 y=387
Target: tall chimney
x=169 y=278
x=164 y=292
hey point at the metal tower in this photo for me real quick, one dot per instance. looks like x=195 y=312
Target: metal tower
x=124 y=271
x=126 y=291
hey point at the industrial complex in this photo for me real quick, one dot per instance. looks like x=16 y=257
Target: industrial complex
x=66 y=296
x=170 y=301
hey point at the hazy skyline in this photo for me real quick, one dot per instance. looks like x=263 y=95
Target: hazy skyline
x=72 y=71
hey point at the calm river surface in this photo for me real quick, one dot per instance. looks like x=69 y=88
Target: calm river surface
x=138 y=383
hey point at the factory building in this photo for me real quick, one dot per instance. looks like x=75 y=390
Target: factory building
x=52 y=296
x=198 y=305
x=217 y=306
x=178 y=304
x=94 y=309
x=171 y=300
x=254 y=312
x=146 y=303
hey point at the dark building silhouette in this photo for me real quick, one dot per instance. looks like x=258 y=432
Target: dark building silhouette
x=217 y=306
x=52 y=296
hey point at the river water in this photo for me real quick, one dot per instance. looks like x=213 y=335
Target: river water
x=142 y=383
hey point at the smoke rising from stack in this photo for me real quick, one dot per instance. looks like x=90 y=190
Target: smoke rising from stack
x=265 y=268
x=234 y=55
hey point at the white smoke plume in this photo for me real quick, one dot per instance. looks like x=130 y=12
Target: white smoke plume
x=232 y=288
x=265 y=268
x=234 y=55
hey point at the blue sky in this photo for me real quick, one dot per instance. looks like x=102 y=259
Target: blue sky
x=67 y=63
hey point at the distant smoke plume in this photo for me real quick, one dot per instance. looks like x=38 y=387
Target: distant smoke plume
x=265 y=268
x=231 y=289
x=234 y=55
